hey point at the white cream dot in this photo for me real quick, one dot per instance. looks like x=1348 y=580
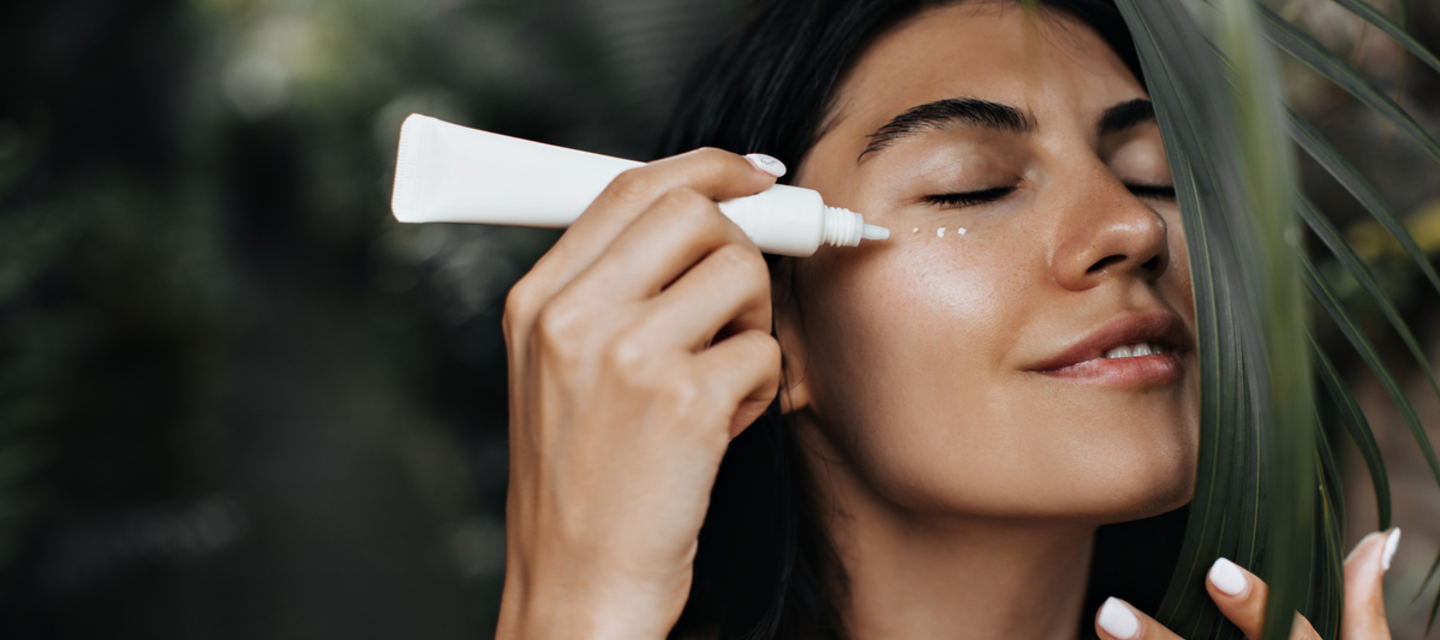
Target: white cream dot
x=915 y=230
x=940 y=233
x=961 y=230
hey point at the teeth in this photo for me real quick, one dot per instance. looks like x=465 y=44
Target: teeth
x=1134 y=350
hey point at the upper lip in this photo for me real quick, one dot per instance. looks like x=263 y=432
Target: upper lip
x=1159 y=328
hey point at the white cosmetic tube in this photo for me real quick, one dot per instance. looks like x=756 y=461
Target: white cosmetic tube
x=448 y=173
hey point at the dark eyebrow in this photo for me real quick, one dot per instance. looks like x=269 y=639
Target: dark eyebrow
x=938 y=114
x=1126 y=115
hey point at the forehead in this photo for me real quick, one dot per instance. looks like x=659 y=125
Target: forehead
x=1050 y=65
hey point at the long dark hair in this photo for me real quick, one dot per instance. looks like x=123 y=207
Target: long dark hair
x=765 y=568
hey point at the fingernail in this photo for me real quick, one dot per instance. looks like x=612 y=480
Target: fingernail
x=1391 y=542
x=768 y=164
x=1117 y=620
x=1228 y=578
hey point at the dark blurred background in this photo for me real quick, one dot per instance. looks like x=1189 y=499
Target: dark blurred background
x=237 y=400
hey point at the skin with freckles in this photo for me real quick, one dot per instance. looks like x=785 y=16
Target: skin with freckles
x=923 y=415
x=964 y=432
x=920 y=349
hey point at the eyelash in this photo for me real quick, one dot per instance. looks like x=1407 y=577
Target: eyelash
x=985 y=196
x=970 y=198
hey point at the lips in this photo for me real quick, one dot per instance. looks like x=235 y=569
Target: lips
x=1086 y=358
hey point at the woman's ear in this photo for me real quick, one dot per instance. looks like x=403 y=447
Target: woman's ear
x=794 y=394
x=794 y=390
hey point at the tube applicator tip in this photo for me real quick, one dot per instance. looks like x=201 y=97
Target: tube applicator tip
x=873 y=232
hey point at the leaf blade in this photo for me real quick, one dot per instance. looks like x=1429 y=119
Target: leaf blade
x=1314 y=54
x=1383 y=22
x=1359 y=428
x=1314 y=144
x=1325 y=295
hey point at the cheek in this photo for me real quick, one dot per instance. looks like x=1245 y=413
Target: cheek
x=912 y=371
x=932 y=308
x=907 y=359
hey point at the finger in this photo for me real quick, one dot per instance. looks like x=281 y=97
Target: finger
x=745 y=370
x=1117 y=620
x=716 y=174
x=1239 y=594
x=729 y=289
x=1364 y=617
x=1242 y=597
x=682 y=227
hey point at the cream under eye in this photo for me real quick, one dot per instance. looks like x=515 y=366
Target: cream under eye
x=969 y=198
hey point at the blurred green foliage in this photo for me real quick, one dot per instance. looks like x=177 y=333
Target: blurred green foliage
x=236 y=398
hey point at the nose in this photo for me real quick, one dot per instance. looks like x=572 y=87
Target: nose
x=1106 y=233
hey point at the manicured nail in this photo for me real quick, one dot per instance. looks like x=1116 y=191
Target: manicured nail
x=1391 y=542
x=768 y=164
x=1117 y=620
x=1228 y=578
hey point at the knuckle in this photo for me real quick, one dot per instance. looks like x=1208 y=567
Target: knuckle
x=519 y=301
x=520 y=305
x=634 y=185
x=762 y=346
x=714 y=154
x=685 y=203
x=744 y=261
x=769 y=349
x=683 y=396
x=629 y=354
x=556 y=322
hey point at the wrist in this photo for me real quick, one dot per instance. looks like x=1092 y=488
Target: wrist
x=530 y=612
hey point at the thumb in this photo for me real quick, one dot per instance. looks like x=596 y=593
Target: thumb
x=1364 y=617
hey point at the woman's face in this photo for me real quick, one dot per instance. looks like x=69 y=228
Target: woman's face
x=959 y=366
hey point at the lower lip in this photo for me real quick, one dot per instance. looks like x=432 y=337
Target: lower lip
x=1135 y=371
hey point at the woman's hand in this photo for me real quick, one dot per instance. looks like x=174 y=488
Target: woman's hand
x=620 y=405
x=1241 y=597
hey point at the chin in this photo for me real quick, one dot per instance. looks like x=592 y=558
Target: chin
x=1142 y=495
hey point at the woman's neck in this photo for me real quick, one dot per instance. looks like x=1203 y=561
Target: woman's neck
x=918 y=576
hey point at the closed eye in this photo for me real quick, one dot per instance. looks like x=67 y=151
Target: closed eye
x=969 y=198
x=984 y=196
x=1152 y=191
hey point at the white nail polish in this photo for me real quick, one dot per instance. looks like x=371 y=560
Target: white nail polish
x=1391 y=542
x=1227 y=577
x=1117 y=620
x=768 y=164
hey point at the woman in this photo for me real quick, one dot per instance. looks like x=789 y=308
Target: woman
x=960 y=407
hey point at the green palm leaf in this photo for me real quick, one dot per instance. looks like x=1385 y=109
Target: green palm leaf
x=1395 y=31
x=1325 y=295
x=1333 y=563
x=1331 y=303
x=1327 y=570
x=1255 y=487
x=1318 y=57
x=1313 y=143
x=1261 y=459
x=1354 y=420
x=1352 y=262
x=1184 y=609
